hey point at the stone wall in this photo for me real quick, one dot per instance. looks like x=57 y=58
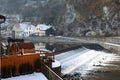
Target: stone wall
x=114 y=49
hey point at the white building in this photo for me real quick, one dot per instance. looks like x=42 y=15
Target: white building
x=18 y=31
x=41 y=29
x=27 y=29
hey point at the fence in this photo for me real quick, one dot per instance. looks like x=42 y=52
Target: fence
x=7 y=61
x=49 y=73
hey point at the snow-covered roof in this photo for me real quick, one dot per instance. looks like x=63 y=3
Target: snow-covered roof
x=43 y=26
x=55 y=64
x=34 y=76
x=24 y=26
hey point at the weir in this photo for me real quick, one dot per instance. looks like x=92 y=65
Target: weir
x=81 y=60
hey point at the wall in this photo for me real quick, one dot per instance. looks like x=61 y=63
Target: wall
x=102 y=40
x=114 y=49
x=18 y=60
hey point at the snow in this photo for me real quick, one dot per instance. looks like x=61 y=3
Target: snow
x=56 y=64
x=34 y=76
x=45 y=50
x=81 y=60
x=113 y=44
x=105 y=9
x=43 y=26
x=24 y=26
x=27 y=29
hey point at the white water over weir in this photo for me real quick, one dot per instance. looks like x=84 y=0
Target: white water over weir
x=81 y=60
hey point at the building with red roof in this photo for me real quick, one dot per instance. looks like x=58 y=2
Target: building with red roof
x=21 y=48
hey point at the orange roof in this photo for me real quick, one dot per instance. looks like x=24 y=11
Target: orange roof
x=17 y=25
x=28 y=45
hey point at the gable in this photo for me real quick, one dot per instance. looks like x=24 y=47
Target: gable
x=17 y=28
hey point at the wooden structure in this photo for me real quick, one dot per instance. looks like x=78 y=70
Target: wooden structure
x=49 y=73
x=10 y=61
x=20 y=53
x=21 y=48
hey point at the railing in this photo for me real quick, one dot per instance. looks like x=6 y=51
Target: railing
x=49 y=73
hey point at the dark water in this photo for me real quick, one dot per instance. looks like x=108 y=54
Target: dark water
x=56 y=47
x=62 y=47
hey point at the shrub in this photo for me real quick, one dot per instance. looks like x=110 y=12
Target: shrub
x=13 y=71
x=29 y=69
x=37 y=65
x=22 y=69
x=3 y=72
x=6 y=72
x=25 y=68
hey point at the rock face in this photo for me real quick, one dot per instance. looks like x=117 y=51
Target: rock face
x=73 y=17
x=91 y=18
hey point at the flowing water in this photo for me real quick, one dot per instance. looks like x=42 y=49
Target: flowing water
x=79 y=60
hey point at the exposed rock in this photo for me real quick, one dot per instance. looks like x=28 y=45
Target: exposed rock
x=90 y=33
x=71 y=17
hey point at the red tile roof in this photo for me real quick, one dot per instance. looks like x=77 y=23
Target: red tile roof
x=29 y=45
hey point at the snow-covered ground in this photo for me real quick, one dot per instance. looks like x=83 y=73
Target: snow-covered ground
x=81 y=60
x=34 y=76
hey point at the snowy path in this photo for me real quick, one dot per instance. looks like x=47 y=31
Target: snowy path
x=78 y=59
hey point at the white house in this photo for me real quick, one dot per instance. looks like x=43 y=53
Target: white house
x=28 y=28
x=41 y=29
x=18 y=31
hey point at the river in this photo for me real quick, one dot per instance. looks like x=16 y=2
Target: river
x=90 y=60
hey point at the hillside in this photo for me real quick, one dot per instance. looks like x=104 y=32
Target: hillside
x=70 y=17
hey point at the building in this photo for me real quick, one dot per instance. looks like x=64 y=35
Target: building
x=21 y=48
x=23 y=29
x=41 y=29
x=22 y=59
x=28 y=28
x=18 y=31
